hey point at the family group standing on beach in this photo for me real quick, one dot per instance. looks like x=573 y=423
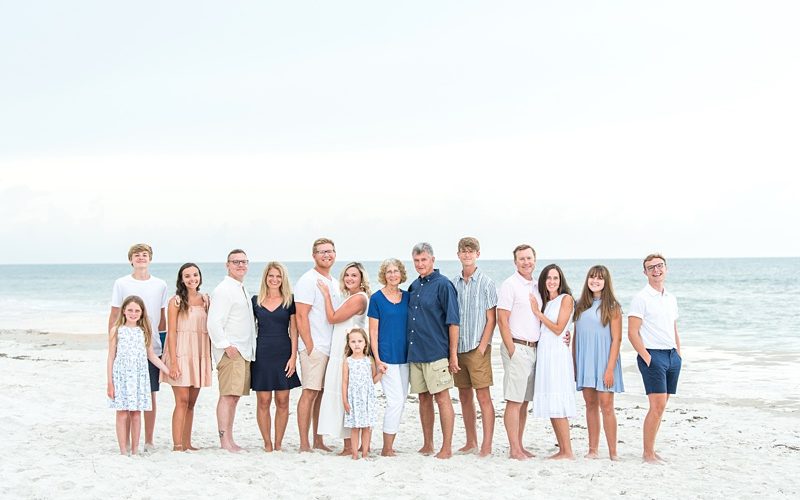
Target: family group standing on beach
x=430 y=338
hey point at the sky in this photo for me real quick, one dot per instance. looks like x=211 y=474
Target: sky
x=586 y=129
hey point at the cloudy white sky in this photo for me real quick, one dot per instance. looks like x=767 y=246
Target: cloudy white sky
x=588 y=129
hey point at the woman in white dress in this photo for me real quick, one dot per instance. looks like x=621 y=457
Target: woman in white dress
x=352 y=313
x=554 y=385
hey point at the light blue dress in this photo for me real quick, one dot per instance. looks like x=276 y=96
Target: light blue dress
x=360 y=395
x=129 y=373
x=592 y=346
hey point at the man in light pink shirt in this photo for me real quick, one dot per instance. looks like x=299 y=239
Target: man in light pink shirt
x=519 y=330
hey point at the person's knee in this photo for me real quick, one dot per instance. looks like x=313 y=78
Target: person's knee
x=484 y=396
x=425 y=397
x=658 y=403
x=607 y=406
x=282 y=403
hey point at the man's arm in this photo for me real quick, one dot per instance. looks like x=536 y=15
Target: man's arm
x=634 y=324
x=452 y=330
x=112 y=317
x=304 y=325
x=217 y=317
x=488 y=330
x=503 y=316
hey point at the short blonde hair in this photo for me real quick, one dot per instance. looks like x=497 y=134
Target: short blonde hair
x=391 y=262
x=322 y=241
x=140 y=247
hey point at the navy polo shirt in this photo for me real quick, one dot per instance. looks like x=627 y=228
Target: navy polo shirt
x=432 y=307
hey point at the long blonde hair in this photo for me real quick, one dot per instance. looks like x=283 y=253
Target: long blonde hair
x=285 y=288
x=143 y=322
x=609 y=306
x=364 y=279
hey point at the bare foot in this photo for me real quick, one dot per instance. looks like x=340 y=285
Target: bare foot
x=365 y=454
x=652 y=459
x=444 y=454
x=527 y=453
x=614 y=458
x=278 y=446
x=178 y=447
x=592 y=455
x=518 y=455
x=658 y=457
x=346 y=451
x=388 y=453
x=426 y=450
x=485 y=452
x=191 y=448
x=468 y=448
x=319 y=445
x=561 y=456
x=354 y=456
x=305 y=449
x=268 y=446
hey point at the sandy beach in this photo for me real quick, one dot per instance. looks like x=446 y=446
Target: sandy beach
x=731 y=431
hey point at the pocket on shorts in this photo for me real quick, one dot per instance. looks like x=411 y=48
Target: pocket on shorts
x=441 y=370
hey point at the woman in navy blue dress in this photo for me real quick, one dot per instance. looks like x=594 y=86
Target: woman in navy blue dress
x=276 y=352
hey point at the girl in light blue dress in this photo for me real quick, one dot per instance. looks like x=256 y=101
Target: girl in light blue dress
x=128 y=386
x=359 y=376
x=598 y=335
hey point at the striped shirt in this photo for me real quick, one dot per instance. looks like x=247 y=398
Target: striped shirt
x=475 y=296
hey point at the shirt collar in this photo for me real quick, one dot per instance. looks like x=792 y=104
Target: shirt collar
x=522 y=279
x=429 y=277
x=475 y=275
x=653 y=292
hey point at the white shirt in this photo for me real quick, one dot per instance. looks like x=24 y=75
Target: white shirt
x=658 y=312
x=306 y=292
x=514 y=296
x=231 y=321
x=153 y=292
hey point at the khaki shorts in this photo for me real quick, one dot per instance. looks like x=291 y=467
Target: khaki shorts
x=476 y=369
x=433 y=377
x=234 y=376
x=518 y=372
x=312 y=369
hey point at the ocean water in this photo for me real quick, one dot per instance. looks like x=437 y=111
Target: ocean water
x=732 y=304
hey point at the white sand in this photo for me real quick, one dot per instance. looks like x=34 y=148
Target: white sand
x=732 y=431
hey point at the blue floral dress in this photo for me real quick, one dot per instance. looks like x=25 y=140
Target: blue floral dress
x=130 y=374
x=360 y=395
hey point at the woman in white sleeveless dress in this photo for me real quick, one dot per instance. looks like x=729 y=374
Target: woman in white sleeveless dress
x=554 y=384
x=352 y=313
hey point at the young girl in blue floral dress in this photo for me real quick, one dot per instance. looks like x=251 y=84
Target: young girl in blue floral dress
x=359 y=376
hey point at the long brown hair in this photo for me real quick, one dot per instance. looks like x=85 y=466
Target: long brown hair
x=349 y=352
x=143 y=322
x=609 y=306
x=562 y=284
x=180 y=288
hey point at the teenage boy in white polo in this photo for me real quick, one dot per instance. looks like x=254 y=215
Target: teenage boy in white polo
x=653 y=332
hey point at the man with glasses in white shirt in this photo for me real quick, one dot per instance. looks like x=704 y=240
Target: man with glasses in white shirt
x=653 y=332
x=231 y=327
x=315 y=338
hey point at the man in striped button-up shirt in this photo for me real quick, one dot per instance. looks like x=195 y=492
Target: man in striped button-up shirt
x=477 y=301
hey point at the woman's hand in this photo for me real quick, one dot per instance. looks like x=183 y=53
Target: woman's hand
x=608 y=378
x=174 y=372
x=535 y=306
x=323 y=287
x=110 y=390
x=291 y=366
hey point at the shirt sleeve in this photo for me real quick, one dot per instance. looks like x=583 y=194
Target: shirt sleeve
x=491 y=295
x=449 y=297
x=116 y=299
x=373 y=311
x=164 y=296
x=305 y=290
x=637 y=307
x=505 y=300
x=217 y=317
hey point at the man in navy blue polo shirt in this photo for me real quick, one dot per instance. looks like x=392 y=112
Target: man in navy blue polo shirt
x=432 y=347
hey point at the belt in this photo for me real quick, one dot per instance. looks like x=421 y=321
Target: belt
x=524 y=342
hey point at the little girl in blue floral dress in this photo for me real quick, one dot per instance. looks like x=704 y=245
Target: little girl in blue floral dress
x=359 y=376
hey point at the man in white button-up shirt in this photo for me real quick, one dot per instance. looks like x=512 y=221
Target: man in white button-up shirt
x=233 y=343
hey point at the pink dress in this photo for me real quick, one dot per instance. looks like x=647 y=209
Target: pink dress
x=193 y=350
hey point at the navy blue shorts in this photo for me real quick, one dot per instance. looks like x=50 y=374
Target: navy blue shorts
x=154 y=373
x=661 y=377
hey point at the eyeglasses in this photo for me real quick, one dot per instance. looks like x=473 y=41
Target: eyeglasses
x=238 y=262
x=652 y=268
x=325 y=252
